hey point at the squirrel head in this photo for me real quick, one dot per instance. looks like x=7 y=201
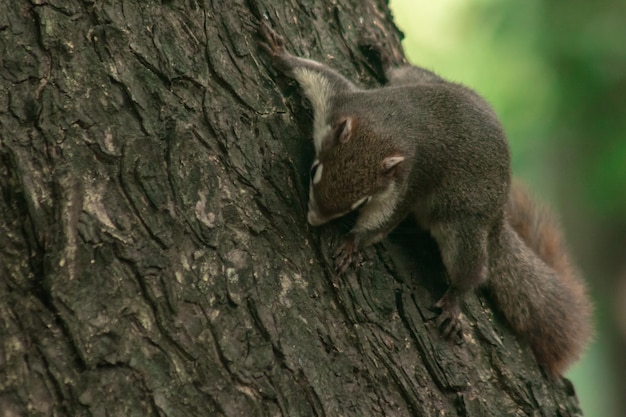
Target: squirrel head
x=353 y=165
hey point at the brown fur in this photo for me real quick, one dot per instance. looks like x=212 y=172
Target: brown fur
x=451 y=170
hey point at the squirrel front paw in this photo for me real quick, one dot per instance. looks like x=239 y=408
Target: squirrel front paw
x=274 y=45
x=449 y=319
x=272 y=42
x=347 y=254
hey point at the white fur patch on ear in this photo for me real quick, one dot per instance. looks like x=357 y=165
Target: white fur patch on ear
x=318 y=174
x=391 y=161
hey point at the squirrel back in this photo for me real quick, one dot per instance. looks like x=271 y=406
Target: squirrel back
x=549 y=306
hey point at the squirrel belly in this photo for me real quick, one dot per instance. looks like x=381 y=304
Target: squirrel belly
x=433 y=149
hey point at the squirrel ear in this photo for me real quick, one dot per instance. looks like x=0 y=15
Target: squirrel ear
x=391 y=164
x=344 y=129
x=341 y=132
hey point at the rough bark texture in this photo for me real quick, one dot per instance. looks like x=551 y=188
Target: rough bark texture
x=155 y=258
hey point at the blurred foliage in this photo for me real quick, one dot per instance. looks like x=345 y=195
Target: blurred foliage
x=555 y=71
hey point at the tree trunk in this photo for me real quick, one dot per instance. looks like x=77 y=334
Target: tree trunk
x=155 y=256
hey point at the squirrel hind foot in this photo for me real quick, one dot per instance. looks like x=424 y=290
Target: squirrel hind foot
x=449 y=319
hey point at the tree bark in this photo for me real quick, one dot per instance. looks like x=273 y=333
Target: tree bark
x=155 y=256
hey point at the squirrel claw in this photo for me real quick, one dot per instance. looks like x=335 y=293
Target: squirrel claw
x=449 y=319
x=346 y=255
x=271 y=42
x=449 y=325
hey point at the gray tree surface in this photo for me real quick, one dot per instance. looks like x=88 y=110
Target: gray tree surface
x=154 y=253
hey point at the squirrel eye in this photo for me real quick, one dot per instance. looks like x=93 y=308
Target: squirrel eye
x=316 y=172
x=314 y=169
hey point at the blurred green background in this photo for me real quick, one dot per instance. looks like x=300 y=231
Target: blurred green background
x=555 y=72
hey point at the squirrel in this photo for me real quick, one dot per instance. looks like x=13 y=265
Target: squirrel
x=425 y=147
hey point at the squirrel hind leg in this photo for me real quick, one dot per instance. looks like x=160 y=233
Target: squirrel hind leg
x=463 y=248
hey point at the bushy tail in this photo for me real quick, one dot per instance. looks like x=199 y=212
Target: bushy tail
x=536 y=287
x=537 y=227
